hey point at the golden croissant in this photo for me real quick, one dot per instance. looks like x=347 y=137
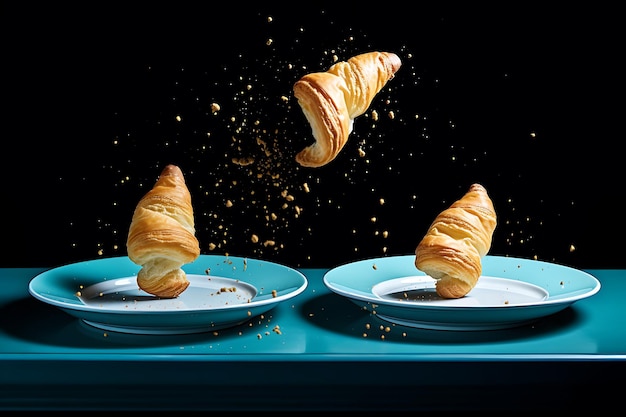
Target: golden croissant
x=331 y=101
x=161 y=238
x=455 y=243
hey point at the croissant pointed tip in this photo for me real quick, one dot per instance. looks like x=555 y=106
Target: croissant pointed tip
x=477 y=187
x=171 y=169
x=395 y=61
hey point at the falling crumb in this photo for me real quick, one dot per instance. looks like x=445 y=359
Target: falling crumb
x=78 y=293
x=215 y=107
x=276 y=330
x=258 y=336
x=274 y=294
x=392 y=115
x=243 y=161
x=254 y=238
x=374 y=267
x=572 y=248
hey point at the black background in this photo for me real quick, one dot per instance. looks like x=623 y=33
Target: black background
x=522 y=99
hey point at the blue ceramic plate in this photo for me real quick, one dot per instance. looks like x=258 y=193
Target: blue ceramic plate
x=224 y=291
x=511 y=292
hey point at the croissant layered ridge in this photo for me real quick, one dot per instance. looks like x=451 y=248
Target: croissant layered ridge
x=161 y=237
x=331 y=100
x=459 y=237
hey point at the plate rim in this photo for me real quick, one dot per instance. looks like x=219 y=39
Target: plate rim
x=372 y=298
x=302 y=284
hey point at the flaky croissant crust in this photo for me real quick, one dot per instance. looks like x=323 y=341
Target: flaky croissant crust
x=161 y=236
x=456 y=241
x=331 y=101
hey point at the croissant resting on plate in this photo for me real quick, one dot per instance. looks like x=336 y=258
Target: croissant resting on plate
x=452 y=249
x=331 y=100
x=161 y=237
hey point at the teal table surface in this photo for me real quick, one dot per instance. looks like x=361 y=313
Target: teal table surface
x=328 y=355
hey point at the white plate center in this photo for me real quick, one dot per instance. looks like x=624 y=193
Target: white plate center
x=204 y=292
x=488 y=292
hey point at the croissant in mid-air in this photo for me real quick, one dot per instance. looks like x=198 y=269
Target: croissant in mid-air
x=331 y=101
x=162 y=237
x=456 y=241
